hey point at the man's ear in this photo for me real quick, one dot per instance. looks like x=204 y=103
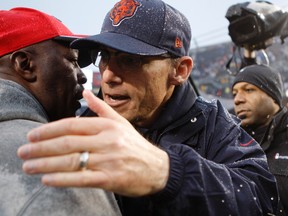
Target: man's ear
x=182 y=70
x=22 y=63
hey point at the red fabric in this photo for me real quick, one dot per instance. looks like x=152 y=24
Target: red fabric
x=21 y=27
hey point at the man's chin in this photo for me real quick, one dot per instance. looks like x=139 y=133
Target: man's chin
x=245 y=123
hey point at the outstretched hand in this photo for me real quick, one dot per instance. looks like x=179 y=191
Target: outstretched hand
x=120 y=159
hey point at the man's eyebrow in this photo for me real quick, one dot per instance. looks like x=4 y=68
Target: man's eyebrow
x=74 y=52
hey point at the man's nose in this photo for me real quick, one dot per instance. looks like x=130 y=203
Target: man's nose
x=82 y=79
x=111 y=74
x=238 y=98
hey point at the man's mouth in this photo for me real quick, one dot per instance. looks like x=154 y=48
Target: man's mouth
x=78 y=93
x=78 y=97
x=116 y=100
x=242 y=114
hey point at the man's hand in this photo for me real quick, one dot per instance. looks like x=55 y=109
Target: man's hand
x=120 y=159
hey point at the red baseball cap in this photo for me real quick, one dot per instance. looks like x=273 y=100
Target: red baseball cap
x=21 y=27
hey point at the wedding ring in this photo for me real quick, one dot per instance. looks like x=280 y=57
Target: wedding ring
x=84 y=157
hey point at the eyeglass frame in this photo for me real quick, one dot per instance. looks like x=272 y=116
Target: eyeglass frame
x=97 y=54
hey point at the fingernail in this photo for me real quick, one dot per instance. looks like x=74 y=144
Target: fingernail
x=29 y=167
x=47 y=179
x=24 y=151
x=33 y=135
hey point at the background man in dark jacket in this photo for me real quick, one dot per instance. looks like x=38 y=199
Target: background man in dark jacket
x=257 y=91
x=177 y=154
x=40 y=81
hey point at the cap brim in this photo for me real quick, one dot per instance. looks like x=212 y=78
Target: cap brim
x=118 y=42
x=84 y=55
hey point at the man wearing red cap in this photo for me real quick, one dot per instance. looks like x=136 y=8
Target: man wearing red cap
x=40 y=81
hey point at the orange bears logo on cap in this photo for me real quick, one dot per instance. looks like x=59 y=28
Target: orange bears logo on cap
x=178 y=43
x=123 y=10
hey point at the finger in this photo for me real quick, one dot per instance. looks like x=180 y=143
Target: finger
x=60 y=146
x=72 y=163
x=79 y=126
x=67 y=145
x=63 y=163
x=101 y=108
x=62 y=127
x=69 y=126
x=84 y=178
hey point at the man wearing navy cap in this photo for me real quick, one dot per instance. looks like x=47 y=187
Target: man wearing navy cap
x=177 y=154
x=40 y=81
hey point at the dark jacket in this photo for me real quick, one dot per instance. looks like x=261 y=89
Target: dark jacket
x=216 y=168
x=274 y=141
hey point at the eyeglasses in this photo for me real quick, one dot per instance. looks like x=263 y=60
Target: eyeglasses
x=125 y=62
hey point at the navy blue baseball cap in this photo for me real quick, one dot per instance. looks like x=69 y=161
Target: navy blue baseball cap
x=142 y=27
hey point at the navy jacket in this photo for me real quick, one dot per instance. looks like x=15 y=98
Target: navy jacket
x=216 y=168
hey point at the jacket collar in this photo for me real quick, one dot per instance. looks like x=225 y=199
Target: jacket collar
x=178 y=105
x=274 y=126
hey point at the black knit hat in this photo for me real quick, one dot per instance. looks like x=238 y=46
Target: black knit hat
x=265 y=78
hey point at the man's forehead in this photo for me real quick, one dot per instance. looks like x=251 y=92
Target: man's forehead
x=243 y=84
